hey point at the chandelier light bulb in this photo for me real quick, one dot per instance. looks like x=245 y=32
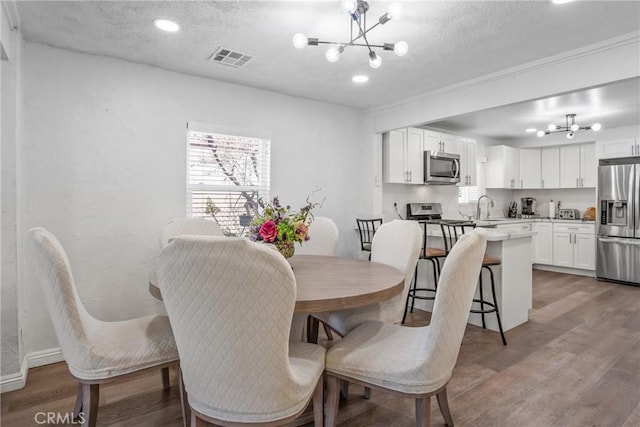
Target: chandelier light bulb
x=401 y=48
x=349 y=6
x=333 y=54
x=570 y=135
x=394 y=11
x=540 y=133
x=552 y=127
x=300 y=41
x=574 y=127
x=374 y=60
x=596 y=127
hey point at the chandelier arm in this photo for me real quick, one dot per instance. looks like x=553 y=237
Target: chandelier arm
x=363 y=34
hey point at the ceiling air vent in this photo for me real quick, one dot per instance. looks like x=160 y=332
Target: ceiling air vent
x=230 y=57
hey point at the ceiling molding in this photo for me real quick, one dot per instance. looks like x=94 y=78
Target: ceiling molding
x=605 y=45
x=11 y=12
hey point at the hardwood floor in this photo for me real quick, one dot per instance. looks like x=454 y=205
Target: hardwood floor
x=575 y=363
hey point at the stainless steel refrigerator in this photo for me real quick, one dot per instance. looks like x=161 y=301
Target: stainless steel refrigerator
x=618 y=245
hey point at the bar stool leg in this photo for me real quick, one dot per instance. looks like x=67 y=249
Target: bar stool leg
x=415 y=286
x=495 y=302
x=484 y=326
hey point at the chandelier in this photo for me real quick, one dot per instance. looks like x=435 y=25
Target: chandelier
x=570 y=127
x=357 y=10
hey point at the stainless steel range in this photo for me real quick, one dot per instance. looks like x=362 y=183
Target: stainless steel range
x=618 y=247
x=424 y=211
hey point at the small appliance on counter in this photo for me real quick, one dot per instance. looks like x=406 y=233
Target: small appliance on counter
x=589 y=214
x=513 y=210
x=528 y=207
x=568 y=214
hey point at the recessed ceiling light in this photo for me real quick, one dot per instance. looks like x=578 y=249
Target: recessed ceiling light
x=360 y=79
x=561 y=1
x=166 y=25
x=531 y=130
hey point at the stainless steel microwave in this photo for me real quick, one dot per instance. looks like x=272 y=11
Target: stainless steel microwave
x=441 y=168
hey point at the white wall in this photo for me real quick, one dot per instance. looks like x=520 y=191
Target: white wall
x=104 y=141
x=9 y=159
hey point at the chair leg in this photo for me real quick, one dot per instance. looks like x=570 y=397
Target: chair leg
x=495 y=302
x=423 y=412
x=313 y=325
x=166 y=384
x=184 y=401
x=436 y=272
x=333 y=401
x=415 y=286
x=367 y=393
x=77 y=407
x=318 y=404
x=327 y=330
x=344 y=390
x=410 y=295
x=443 y=403
x=198 y=422
x=484 y=326
x=90 y=398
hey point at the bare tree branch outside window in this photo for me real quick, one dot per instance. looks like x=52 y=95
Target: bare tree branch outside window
x=226 y=175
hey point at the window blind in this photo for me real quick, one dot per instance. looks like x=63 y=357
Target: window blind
x=467 y=194
x=226 y=173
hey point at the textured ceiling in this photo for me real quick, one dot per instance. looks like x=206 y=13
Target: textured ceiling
x=613 y=105
x=449 y=41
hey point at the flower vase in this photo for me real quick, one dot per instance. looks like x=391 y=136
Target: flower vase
x=286 y=248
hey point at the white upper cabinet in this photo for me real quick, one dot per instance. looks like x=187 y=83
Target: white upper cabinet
x=618 y=148
x=550 y=167
x=403 y=156
x=578 y=166
x=415 y=156
x=466 y=148
x=530 y=169
x=439 y=141
x=588 y=166
x=502 y=167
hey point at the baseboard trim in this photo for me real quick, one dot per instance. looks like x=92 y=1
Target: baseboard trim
x=15 y=381
x=44 y=357
x=18 y=380
x=556 y=269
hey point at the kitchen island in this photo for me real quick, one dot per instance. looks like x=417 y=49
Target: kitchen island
x=513 y=278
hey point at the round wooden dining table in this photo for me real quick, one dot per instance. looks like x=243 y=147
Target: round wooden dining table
x=329 y=283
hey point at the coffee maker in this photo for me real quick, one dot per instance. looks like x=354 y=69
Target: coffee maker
x=528 y=206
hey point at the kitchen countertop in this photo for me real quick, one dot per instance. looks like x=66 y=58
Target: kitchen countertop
x=498 y=221
x=493 y=234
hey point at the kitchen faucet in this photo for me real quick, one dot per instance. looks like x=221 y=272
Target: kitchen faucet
x=488 y=204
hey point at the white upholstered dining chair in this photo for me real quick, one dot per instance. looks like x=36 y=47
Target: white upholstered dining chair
x=188 y=226
x=397 y=244
x=230 y=302
x=412 y=362
x=323 y=238
x=96 y=352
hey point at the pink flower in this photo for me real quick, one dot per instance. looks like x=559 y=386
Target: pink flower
x=269 y=231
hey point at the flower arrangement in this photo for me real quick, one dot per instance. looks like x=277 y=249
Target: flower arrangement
x=277 y=224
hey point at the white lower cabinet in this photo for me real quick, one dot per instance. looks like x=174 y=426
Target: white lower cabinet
x=574 y=246
x=543 y=243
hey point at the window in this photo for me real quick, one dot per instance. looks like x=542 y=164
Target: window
x=226 y=175
x=467 y=194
